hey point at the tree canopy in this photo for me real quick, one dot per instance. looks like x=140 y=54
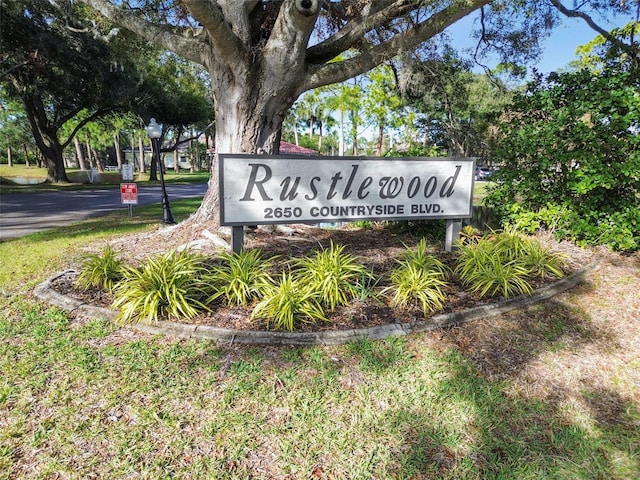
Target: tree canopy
x=66 y=74
x=261 y=55
x=58 y=74
x=459 y=107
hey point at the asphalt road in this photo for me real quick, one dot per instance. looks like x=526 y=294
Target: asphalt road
x=24 y=213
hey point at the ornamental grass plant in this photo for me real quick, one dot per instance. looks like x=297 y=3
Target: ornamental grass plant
x=487 y=274
x=102 y=271
x=543 y=262
x=504 y=263
x=240 y=278
x=333 y=275
x=168 y=286
x=411 y=284
x=421 y=257
x=289 y=302
x=418 y=278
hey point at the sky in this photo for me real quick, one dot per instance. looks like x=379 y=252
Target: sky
x=558 y=49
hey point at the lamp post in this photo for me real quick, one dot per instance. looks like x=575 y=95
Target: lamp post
x=155 y=132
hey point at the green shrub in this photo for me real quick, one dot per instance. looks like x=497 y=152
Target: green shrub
x=100 y=271
x=288 y=302
x=333 y=275
x=411 y=284
x=166 y=286
x=419 y=277
x=569 y=156
x=488 y=274
x=620 y=230
x=548 y=218
x=504 y=262
x=241 y=277
x=435 y=229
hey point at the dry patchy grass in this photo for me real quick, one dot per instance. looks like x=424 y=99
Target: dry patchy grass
x=551 y=391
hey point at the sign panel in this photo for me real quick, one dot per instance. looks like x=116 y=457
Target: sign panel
x=129 y=193
x=258 y=190
x=127 y=172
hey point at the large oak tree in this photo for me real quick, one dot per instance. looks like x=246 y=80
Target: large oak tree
x=262 y=54
x=59 y=74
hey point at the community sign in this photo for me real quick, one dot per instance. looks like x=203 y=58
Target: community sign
x=262 y=189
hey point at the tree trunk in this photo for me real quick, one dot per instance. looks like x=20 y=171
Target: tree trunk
x=153 y=166
x=79 y=153
x=116 y=145
x=354 y=135
x=134 y=157
x=143 y=167
x=457 y=149
x=45 y=135
x=92 y=155
x=9 y=157
x=341 y=144
x=426 y=138
x=99 y=161
x=87 y=147
x=54 y=163
x=26 y=154
x=380 y=139
x=194 y=151
x=245 y=123
x=208 y=140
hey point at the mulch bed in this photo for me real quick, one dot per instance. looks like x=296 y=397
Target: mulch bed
x=376 y=247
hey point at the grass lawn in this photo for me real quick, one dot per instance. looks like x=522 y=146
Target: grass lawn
x=22 y=171
x=552 y=391
x=31 y=179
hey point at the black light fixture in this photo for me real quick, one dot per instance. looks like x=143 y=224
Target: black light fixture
x=154 y=130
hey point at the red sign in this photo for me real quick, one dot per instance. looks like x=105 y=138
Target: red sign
x=129 y=193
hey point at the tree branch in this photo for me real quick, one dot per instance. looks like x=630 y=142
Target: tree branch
x=355 y=31
x=594 y=26
x=237 y=14
x=292 y=30
x=182 y=43
x=97 y=114
x=225 y=42
x=319 y=75
x=15 y=67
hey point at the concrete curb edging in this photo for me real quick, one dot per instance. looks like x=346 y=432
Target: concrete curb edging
x=46 y=293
